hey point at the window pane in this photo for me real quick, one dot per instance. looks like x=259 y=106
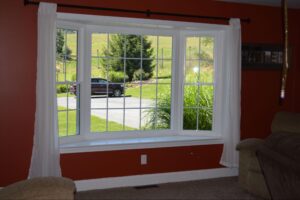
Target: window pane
x=116 y=102
x=67 y=123
x=133 y=47
x=147 y=123
x=192 y=48
x=115 y=119
x=207 y=48
x=71 y=43
x=62 y=123
x=98 y=101
x=191 y=96
x=99 y=44
x=99 y=67
x=65 y=96
x=163 y=119
x=206 y=99
x=72 y=122
x=98 y=120
x=164 y=70
x=130 y=66
x=199 y=84
x=165 y=47
x=71 y=70
x=148 y=95
x=164 y=95
x=67 y=87
x=133 y=93
x=153 y=41
x=190 y=119
x=132 y=119
x=205 y=119
x=206 y=72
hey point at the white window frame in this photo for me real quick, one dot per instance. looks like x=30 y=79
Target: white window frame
x=86 y=25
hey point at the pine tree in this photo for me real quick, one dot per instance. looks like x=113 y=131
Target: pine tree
x=62 y=51
x=130 y=46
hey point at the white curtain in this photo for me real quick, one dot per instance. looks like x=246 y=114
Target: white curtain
x=45 y=160
x=231 y=91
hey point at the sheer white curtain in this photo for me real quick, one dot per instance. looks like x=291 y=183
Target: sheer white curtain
x=231 y=84
x=45 y=160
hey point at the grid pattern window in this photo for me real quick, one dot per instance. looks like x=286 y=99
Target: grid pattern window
x=130 y=82
x=198 y=83
x=66 y=82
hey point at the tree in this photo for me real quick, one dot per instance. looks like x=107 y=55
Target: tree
x=130 y=46
x=62 y=51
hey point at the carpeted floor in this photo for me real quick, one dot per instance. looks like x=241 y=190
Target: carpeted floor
x=211 y=189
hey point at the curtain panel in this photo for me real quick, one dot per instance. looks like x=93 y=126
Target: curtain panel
x=45 y=160
x=231 y=91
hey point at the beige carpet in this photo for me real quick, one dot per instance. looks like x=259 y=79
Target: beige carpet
x=221 y=188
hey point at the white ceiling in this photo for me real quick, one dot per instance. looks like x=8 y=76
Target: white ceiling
x=291 y=3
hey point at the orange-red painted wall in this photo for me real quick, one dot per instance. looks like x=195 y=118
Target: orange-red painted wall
x=18 y=40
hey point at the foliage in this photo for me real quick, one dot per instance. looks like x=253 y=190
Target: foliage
x=63 y=52
x=162 y=115
x=132 y=49
x=140 y=74
x=61 y=89
x=117 y=77
x=205 y=102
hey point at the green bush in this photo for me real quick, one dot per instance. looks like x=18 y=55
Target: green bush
x=205 y=102
x=140 y=74
x=61 y=89
x=117 y=77
x=162 y=115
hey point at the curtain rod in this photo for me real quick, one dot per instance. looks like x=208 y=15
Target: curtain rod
x=147 y=12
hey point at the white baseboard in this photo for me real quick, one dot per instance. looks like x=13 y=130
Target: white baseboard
x=150 y=179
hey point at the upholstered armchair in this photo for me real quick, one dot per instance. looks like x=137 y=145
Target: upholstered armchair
x=40 y=188
x=251 y=177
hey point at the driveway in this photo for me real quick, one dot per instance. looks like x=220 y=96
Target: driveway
x=115 y=108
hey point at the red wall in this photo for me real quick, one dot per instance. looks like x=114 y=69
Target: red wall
x=18 y=40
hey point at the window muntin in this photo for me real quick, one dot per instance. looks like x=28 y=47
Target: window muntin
x=66 y=80
x=140 y=107
x=198 y=97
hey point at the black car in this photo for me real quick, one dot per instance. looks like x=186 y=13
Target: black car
x=100 y=86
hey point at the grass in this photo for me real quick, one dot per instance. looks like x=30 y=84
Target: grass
x=97 y=124
x=149 y=90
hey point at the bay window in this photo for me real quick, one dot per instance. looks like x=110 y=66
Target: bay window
x=138 y=78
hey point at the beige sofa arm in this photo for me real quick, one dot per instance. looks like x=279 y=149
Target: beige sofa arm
x=250 y=144
x=40 y=188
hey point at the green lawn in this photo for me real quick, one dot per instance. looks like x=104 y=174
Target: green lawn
x=97 y=124
x=149 y=90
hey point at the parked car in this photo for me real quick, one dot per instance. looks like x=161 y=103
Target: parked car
x=100 y=86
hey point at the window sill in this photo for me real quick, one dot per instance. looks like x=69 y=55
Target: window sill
x=138 y=143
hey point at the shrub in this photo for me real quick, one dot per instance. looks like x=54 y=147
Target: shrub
x=163 y=114
x=117 y=77
x=61 y=89
x=140 y=74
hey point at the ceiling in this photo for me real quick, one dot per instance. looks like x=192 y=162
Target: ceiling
x=291 y=3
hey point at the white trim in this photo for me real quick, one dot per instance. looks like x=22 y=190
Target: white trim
x=138 y=22
x=137 y=143
x=150 y=179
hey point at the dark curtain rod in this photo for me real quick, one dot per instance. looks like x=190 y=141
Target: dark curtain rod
x=148 y=12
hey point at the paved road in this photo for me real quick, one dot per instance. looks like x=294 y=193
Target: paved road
x=132 y=113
